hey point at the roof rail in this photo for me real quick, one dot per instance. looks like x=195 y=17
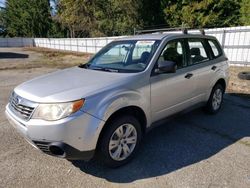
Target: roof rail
x=183 y=29
x=202 y=31
x=161 y=30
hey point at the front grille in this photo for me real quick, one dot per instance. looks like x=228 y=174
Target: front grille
x=21 y=107
x=23 y=110
x=44 y=146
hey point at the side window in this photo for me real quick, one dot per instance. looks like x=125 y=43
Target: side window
x=174 y=52
x=215 y=48
x=197 y=51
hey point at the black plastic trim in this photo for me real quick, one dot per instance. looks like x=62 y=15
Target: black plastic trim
x=70 y=152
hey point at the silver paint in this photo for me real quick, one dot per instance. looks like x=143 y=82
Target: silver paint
x=106 y=92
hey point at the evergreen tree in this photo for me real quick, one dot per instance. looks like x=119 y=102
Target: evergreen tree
x=77 y=16
x=98 y=17
x=116 y=17
x=151 y=13
x=245 y=12
x=28 y=18
x=2 y=23
x=206 y=13
x=93 y=18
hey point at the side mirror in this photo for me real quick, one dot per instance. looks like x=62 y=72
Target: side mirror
x=166 y=67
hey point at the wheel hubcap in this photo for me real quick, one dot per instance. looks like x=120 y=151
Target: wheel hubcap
x=217 y=99
x=122 y=142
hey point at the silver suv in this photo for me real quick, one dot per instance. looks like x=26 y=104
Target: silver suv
x=106 y=106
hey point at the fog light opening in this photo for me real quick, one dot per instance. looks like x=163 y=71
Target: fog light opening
x=55 y=150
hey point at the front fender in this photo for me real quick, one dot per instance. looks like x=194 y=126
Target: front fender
x=104 y=105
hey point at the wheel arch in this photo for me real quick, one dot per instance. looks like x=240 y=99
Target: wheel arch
x=222 y=82
x=134 y=111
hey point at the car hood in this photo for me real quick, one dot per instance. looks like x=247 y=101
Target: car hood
x=69 y=84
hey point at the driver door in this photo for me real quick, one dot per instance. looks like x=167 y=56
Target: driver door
x=172 y=92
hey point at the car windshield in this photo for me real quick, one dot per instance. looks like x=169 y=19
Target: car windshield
x=124 y=56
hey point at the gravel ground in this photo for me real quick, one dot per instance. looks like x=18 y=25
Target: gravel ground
x=237 y=85
x=192 y=150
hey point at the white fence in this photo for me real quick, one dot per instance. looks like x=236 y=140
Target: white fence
x=235 y=41
x=89 y=45
x=16 y=42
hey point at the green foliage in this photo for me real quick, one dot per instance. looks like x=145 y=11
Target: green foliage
x=151 y=13
x=1 y=17
x=245 y=12
x=56 y=30
x=2 y=23
x=98 y=17
x=116 y=17
x=77 y=16
x=28 y=18
x=2 y=20
x=94 y=18
x=206 y=13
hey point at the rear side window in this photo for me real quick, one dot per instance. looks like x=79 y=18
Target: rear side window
x=197 y=52
x=215 y=48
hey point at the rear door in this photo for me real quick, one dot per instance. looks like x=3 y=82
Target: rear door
x=199 y=59
x=204 y=64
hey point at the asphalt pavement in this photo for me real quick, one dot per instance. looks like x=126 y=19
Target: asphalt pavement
x=191 y=150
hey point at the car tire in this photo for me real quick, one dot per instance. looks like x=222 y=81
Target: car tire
x=215 y=100
x=116 y=146
x=244 y=75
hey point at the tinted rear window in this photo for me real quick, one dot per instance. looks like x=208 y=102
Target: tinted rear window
x=216 y=50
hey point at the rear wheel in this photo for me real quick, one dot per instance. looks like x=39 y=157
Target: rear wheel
x=120 y=141
x=215 y=100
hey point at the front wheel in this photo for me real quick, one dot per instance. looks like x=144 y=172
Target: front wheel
x=215 y=100
x=120 y=141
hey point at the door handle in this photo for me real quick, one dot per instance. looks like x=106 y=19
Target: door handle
x=188 y=76
x=214 y=68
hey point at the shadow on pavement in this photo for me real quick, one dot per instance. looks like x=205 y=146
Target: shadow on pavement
x=183 y=141
x=11 y=55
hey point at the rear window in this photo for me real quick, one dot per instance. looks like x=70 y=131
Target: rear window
x=215 y=48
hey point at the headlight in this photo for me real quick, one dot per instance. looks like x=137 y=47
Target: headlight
x=52 y=112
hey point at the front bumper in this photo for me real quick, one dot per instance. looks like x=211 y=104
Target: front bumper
x=77 y=135
x=62 y=150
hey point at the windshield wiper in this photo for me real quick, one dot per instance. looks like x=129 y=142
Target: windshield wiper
x=104 y=69
x=85 y=66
